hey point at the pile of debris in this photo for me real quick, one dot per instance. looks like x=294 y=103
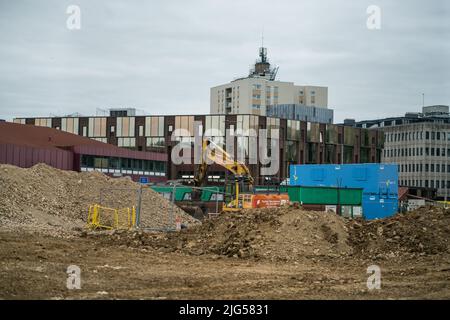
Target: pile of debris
x=422 y=232
x=281 y=234
x=290 y=234
x=43 y=198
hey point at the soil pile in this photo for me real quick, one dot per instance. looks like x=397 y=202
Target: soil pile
x=282 y=234
x=422 y=232
x=290 y=234
x=43 y=198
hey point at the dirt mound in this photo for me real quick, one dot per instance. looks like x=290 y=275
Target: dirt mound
x=421 y=232
x=49 y=199
x=283 y=234
x=291 y=234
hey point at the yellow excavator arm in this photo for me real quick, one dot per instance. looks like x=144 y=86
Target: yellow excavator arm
x=221 y=157
x=239 y=170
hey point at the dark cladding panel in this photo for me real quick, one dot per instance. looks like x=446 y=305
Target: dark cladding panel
x=22 y=154
x=3 y=153
x=29 y=157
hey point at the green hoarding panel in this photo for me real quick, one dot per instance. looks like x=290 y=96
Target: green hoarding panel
x=326 y=196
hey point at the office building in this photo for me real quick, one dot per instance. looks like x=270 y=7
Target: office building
x=300 y=112
x=260 y=89
x=299 y=141
x=420 y=144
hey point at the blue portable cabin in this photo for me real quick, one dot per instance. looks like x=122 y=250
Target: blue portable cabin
x=378 y=181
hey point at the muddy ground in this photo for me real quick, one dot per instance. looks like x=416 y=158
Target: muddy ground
x=34 y=266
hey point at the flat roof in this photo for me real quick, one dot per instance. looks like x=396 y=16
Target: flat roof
x=49 y=138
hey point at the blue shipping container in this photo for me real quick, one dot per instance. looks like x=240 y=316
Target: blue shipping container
x=378 y=181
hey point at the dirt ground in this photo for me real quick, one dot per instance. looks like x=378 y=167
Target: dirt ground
x=34 y=267
x=281 y=253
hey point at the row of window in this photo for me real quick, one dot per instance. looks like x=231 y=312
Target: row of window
x=126 y=131
x=416 y=135
x=438 y=184
x=412 y=152
x=423 y=167
x=123 y=165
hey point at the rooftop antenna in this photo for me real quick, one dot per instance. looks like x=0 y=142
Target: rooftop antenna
x=262 y=50
x=262 y=38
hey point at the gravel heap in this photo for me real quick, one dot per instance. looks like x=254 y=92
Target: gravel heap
x=46 y=199
x=290 y=234
x=422 y=232
x=282 y=234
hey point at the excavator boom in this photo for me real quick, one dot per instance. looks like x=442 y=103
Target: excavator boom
x=219 y=156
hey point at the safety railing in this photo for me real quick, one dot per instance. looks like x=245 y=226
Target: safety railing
x=100 y=217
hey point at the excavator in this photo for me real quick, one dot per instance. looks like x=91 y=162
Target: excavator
x=242 y=180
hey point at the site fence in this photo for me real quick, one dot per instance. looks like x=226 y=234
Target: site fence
x=111 y=218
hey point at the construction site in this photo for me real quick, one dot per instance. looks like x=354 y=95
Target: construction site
x=285 y=252
x=140 y=159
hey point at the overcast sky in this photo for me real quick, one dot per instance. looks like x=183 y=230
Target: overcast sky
x=163 y=56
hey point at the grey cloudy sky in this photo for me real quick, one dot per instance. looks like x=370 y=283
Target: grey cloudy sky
x=163 y=56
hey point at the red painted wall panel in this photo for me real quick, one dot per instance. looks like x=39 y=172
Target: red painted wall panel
x=23 y=156
x=2 y=153
x=9 y=154
x=29 y=158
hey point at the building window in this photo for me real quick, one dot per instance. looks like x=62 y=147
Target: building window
x=17 y=120
x=184 y=125
x=215 y=126
x=126 y=142
x=154 y=127
x=141 y=131
x=97 y=127
x=43 y=122
x=125 y=126
x=155 y=142
x=69 y=125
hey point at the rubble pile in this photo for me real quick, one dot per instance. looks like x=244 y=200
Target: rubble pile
x=43 y=198
x=290 y=234
x=282 y=234
x=422 y=232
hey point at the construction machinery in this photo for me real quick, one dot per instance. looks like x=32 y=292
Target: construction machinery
x=241 y=187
